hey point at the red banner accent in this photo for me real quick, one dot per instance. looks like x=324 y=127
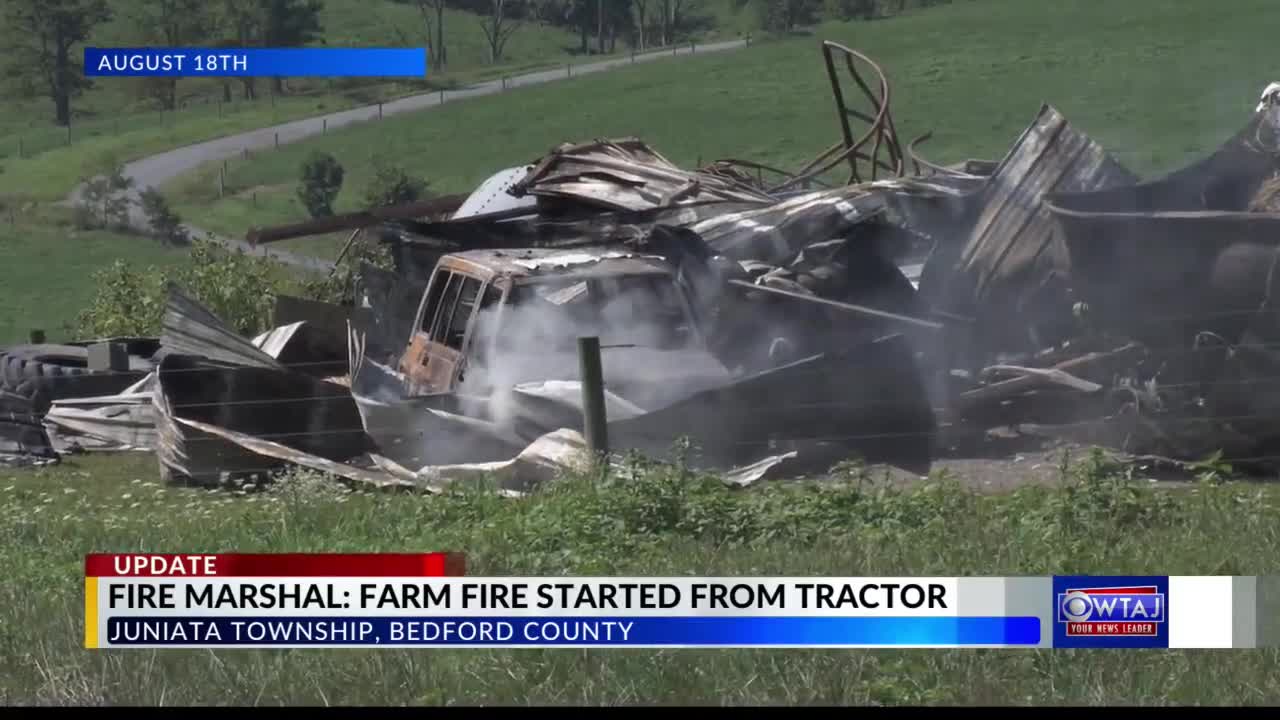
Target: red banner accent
x=440 y=564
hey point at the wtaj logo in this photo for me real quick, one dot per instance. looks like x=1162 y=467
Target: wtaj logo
x=1136 y=611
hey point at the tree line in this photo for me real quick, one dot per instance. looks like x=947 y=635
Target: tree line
x=44 y=39
x=598 y=23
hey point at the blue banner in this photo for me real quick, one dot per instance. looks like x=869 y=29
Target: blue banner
x=574 y=631
x=255 y=62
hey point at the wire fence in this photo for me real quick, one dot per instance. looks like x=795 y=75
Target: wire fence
x=1260 y=380
x=270 y=107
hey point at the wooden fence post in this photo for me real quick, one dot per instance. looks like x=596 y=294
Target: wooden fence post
x=595 y=422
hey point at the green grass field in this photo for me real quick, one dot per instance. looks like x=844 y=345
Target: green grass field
x=1142 y=77
x=663 y=523
x=41 y=162
x=47 y=268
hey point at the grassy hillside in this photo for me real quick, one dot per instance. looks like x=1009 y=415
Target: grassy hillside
x=45 y=270
x=1143 y=77
x=116 y=116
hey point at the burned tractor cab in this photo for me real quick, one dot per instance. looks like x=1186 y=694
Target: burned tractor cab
x=495 y=318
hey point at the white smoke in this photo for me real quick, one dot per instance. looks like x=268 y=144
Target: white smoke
x=652 y=353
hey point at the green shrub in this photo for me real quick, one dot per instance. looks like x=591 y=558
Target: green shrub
x=238 y=288
x=164 y=223
x=391 y=185
x=320 y=183
x=128 y=301
x=104 y=201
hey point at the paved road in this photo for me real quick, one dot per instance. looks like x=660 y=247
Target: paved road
x=159 y=169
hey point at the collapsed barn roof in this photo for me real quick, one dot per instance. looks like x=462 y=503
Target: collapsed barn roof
x=1038 y=300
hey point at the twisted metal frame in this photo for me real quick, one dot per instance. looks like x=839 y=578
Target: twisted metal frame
x=878 y=150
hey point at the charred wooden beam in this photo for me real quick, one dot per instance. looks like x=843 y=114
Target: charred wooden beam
x=1008 y=388
x=847 y=307
x=353 y=221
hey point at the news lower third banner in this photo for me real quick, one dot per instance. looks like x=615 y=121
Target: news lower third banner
x=255 y=62
x=426 y=600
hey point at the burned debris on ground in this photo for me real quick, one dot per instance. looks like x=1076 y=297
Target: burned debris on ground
x=872 y=304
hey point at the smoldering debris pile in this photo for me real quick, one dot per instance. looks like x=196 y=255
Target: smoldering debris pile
x=782 y=321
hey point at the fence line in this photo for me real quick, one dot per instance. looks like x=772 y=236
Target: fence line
x=31 y=142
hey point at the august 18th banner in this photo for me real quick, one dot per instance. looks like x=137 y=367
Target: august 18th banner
x=255 y=62
x=426 y=600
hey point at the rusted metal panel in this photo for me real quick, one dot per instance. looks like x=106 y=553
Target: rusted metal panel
x=429 y=366
x=626 y=174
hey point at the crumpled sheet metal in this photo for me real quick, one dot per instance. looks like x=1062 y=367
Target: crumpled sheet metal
x=302 y=412
x=626 y=175
x=23 y=441
x=869 y=398
x=121 y=422
x=1012 y=247
x=259 y=447
x=413 y=434
x=1015 y=230
x=543 y=460
x=778 y=232
x=189 y=328
x=223 y=380
x=549 y=456
x=772 y=232
x=304 y=347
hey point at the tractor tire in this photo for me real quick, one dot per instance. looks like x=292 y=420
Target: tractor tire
x=44 y=373
x=33 y=362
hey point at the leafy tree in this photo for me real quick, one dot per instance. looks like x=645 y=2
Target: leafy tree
x=238 y=23
x=289 y=23
x=859 y=9
x=41 y=37
x=786 y=15
x=170 y=23
x=320 y=183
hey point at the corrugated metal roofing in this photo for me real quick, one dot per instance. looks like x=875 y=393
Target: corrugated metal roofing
x=1014 y=229
x=627 y=174
x=191 y=329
